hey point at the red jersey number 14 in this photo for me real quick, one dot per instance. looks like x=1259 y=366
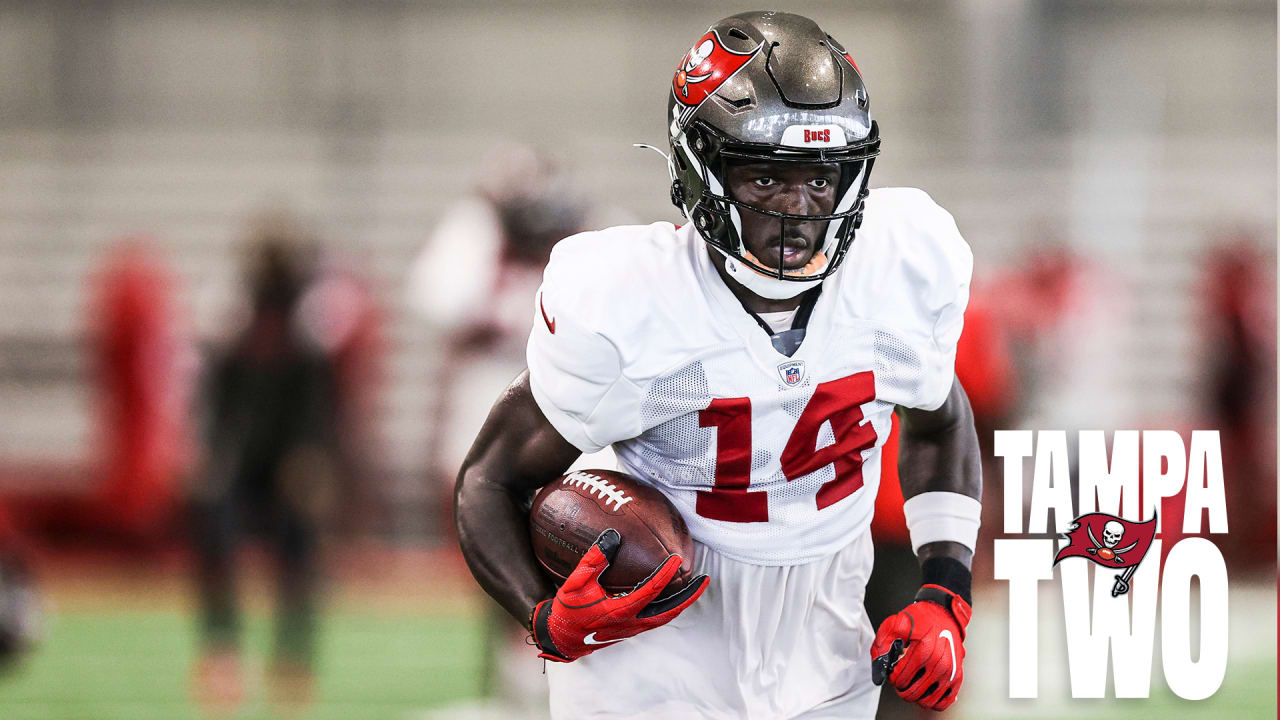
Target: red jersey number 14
x=839 y=401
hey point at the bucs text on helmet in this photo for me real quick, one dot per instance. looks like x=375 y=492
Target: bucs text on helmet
x=769 y=87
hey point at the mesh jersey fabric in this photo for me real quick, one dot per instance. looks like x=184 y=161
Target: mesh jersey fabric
x=639 y=343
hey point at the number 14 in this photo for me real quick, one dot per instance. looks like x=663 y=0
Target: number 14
x=839 y=401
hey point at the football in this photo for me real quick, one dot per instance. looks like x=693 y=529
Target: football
x=569 y=513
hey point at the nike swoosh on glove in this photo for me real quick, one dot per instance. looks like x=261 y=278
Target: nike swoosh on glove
x=583 y=618
x=930 y=670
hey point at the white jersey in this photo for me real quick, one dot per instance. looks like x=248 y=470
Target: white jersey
x=772 y=460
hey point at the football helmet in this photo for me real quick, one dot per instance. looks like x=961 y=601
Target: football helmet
x=773 y=87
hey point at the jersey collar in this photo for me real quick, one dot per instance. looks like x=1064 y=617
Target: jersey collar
x=729 y=310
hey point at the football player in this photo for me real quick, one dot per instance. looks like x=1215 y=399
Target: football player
x=747 y=364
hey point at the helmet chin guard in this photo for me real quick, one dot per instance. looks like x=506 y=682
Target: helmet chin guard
x=764 y=285
x=765 y=87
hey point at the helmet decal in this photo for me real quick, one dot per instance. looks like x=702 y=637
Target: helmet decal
x=851 y=62
x=707 y=66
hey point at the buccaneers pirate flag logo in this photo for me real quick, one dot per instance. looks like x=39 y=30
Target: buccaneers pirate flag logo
x=707 y=66
x=1110 y=541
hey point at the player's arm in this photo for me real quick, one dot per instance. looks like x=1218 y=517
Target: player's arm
x=921 y=649
x=516 y=452
x=938 y=453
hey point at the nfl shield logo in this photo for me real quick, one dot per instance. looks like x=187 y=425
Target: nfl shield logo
x=792 y=372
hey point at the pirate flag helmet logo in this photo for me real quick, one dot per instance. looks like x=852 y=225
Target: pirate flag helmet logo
x=706 y=67
x=1111 y=542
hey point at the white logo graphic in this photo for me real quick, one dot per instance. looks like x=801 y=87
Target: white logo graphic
x=1111 y=533
x=946 y=635
x=814 y=136
x=699 y=55
x=591 y=640
x=792 y=373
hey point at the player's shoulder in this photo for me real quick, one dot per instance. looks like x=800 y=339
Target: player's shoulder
x=607 y=320
x=908 y=261
x=903 y=199
x=606 y=272
x=908 y=218
x=907 y=275
x=614 y=250
x=905 y=234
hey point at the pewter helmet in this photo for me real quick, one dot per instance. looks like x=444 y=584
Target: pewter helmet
x=771 y=87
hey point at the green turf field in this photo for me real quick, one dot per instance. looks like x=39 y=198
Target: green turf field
x=397 y=655
x=121 y=664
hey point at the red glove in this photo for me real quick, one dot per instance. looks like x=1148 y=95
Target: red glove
x=582 y=617
x=930 y=635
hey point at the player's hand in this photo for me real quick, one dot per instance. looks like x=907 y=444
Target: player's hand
x=931 y=631
x=583 y=618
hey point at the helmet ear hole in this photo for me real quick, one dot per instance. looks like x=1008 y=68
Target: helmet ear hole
x=711 y=225
x=703 y=143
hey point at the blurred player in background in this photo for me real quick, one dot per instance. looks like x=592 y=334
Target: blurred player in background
x=20 y=612
x=747 y=365
x=273 y=458
x=471 y=283
x=145 y=362
x=1240 y=391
